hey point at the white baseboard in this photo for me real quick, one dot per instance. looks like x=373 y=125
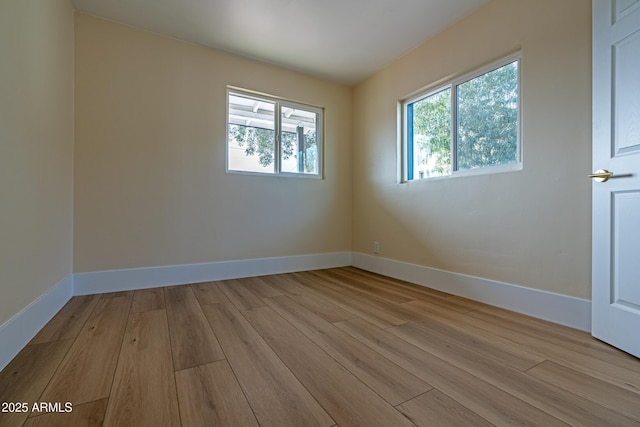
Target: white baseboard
x=153 y=277
x=557 y=308
x=16 y=332
x=21 y=328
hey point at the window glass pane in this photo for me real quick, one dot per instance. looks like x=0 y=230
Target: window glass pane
x=251 y=134
x=299 y=141
x=487 y=119
x=429 y=134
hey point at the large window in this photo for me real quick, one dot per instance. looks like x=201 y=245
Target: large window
x=469 y=125
x=273 y=136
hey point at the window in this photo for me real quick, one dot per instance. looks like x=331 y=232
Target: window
x=272 y=136
x=469 y=125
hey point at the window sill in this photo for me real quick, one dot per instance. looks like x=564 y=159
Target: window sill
x=281 y=175
x=515 y=167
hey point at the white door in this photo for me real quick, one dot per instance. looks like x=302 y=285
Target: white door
x=616 y=149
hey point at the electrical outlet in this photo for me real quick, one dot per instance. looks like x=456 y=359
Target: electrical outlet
x=376 y=247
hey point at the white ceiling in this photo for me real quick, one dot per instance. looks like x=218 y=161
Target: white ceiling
x=340 y=40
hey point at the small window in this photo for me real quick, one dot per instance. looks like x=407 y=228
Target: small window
x=272 y=136
x=469 y=125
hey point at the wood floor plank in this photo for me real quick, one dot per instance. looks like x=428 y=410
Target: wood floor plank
x=322 y=307
x=208 y=293
x=559 y=335
x=210 y=395
x=410 y=289
x=620 y=400
x=240 y=295
x=450 y=303
x=312 y=301
x=89 y=414
x=352 y=403
x=372 y=314
x=391 y=382
x=27 y=375
x=482 y=344
x=628 y=378
x=86 y=373
x=275 y=395
x=320 y=348
x=437 y=409
x=486 y=400
x=68 y=322
x=465 y=303
x=360 y=298
x=192 y=341
x=427 y=312
x=261 y=288
x=354 y=281
x=283 y=282
x=144 y=391
x=417 y=292
x=148 y=300
x=572 y=409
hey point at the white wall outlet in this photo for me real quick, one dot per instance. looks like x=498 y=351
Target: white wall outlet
x=376 y=247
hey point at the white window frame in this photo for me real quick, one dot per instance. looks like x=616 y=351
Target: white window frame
x=452 y=84
x=279 y=103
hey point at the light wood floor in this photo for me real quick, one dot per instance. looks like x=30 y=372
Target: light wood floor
x=339 y=347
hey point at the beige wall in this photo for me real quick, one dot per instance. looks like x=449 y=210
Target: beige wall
x=150 y=181
x=530 y=228
x=36 y=149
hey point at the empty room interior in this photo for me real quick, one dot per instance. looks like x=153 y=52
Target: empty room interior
x=301 y=213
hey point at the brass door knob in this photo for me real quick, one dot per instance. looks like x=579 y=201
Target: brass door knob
x=601 y=175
